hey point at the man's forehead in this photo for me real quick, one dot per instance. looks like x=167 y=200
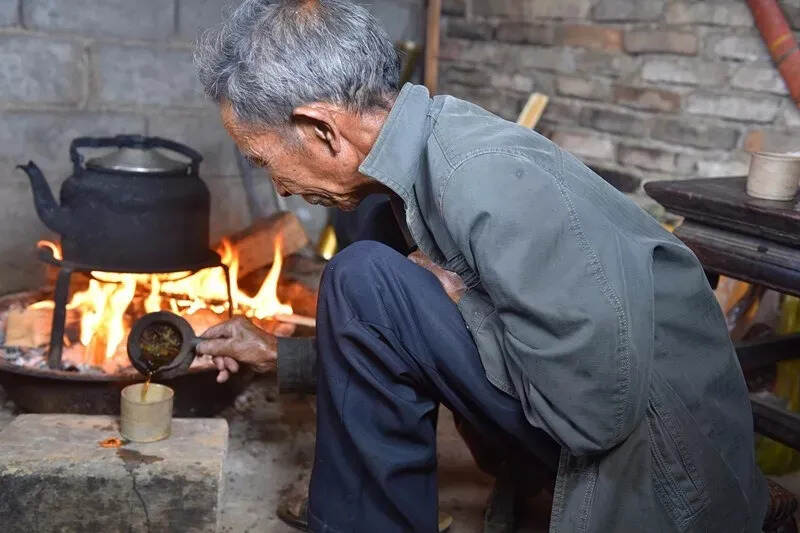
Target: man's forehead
x=243 y=135
x=228 y=116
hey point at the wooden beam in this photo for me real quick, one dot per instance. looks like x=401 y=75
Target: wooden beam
x=432 y=45
x=776 y=423
x=767 y=351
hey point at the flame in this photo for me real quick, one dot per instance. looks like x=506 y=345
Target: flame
x=152 y=303
x=263 y=304
x=110 y=299
x=56 y=249
x=102 y=321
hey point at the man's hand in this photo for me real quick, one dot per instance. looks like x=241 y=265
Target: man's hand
x=239 y=341
x=451 y=282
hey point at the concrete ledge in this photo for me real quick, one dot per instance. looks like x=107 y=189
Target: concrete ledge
x=54 y=476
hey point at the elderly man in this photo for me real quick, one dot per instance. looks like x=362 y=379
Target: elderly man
x=555 y=319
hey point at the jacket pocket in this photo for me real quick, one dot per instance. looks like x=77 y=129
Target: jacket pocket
x=486 y=328
x=678 y=484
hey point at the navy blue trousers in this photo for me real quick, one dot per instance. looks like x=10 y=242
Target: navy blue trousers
x=392 y=347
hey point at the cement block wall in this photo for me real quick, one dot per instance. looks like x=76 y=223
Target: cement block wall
x=101 y=67
x=644 y=89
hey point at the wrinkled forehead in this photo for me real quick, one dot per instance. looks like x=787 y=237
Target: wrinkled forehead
x=230 y=121
x=249 y=139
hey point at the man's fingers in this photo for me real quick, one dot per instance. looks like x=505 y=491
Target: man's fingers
x=231 y=365
x=224 y=368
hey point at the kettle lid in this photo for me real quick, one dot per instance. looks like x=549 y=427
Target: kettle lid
x=141 y=160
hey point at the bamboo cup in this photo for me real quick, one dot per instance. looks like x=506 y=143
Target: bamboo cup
x=148 y=418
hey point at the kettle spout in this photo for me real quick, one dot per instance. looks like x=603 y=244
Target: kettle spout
x=49 y=211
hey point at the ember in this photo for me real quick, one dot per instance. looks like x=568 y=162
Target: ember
x=111 y=442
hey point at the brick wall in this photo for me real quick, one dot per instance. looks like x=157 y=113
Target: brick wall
x=640 y=89
x=103 y=67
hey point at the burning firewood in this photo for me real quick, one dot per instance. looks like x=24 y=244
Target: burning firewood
x=297 y=320
x=201 y=320
x=255 y=245
x=100 y=312
x=29 y=327
x=303 y=299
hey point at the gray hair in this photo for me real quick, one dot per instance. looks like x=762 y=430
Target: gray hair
x=269 y=57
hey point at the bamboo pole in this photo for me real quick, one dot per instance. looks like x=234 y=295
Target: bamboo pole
x=533 y=111
x=432 y=45
x=780 y=41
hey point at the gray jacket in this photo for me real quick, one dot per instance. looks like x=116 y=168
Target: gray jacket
x=584 y=308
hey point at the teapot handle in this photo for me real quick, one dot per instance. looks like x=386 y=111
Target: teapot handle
x=133 y=141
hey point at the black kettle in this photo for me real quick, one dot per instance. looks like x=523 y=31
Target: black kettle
x=133 y=210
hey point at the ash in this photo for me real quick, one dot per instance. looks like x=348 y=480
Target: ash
x=37 y=358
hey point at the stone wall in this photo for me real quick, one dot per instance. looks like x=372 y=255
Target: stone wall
x=102 y=67
x=640 y=89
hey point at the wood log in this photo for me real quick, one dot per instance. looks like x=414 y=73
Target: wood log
x=28 y=328
x=203 y=319
x=297 y=320
x=303 y=299
x=273 y=327
x=255 y=245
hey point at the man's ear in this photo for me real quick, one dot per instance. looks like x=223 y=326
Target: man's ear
x=320 y=120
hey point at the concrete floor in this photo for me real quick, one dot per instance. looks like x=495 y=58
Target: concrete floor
x=271 y=450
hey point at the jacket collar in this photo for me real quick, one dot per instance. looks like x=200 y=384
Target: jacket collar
x=397 y=157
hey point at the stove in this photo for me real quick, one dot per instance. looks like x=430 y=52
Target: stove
x=131 y=211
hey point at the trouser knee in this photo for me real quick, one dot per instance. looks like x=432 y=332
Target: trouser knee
x=354 y=267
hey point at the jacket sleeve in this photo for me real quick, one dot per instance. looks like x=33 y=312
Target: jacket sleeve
x=559 y=316
x=297 y=365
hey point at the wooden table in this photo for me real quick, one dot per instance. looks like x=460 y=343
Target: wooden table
x=753 y=240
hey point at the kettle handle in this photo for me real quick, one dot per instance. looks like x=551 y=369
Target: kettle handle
x=132 y=141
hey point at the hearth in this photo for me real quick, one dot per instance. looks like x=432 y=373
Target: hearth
x=134 y=227
x=132 y=211
x=34 y=387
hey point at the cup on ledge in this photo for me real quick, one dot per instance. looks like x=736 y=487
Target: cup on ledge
x=146 y=417
x=774 y=176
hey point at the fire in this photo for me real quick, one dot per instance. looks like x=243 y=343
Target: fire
x=263 y=304
x=56 y=249
x=105 y=306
